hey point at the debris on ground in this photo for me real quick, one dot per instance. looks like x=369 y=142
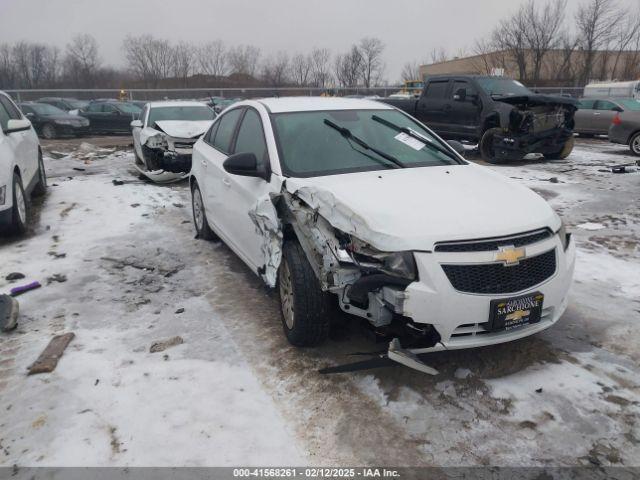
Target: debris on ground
x=117 y=182
x=9 y=309
x=15 y=291
x=13 y=276
x=79 y=169
x=162 y=345
x=591 y=226
x=56 y=254
x=180 y=310
x=553 y=180
x=463 y=373
x=48 y=359
x=57 y=277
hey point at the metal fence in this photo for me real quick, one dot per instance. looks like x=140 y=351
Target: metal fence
x=204 y=93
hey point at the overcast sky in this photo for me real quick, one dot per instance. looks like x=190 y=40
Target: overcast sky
x=410 y=29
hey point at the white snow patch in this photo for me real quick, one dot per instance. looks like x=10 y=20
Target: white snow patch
x=591 y=226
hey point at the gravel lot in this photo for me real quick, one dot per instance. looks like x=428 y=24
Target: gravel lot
x=236 y=393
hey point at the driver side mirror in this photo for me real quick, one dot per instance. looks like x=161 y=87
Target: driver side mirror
x=460 y=95
x=20 y=125
x=136 y=124
x=246 y=165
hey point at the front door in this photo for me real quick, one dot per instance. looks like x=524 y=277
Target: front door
x=434 y=107
x=465 y=111
x=603 y=114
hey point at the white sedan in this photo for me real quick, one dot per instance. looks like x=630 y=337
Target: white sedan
x=164 y=135
x=354 y=203
x=21 y=167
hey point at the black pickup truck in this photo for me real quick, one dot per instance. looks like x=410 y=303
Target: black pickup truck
x=506 y=119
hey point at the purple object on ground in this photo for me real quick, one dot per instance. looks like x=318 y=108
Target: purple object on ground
x=24 y=288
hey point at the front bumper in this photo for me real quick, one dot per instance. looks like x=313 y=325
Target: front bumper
x=71 y=129
x=460 y=318
x=514 y=146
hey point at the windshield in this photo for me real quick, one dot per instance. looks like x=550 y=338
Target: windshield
x=311 y=148
x=128 y=108
x=44 y=109
x=193 y=113
x=629 y=104
x=503 y=87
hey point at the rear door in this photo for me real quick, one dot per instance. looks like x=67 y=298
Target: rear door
x=604 y=112
x=113 y=119
x=434 y=107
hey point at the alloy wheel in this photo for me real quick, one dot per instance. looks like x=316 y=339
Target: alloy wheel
x=286 y=295
x=21 y=205
x=198 y=209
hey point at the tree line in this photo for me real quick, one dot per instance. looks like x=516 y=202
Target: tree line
x=155 y=62
x=541 y=43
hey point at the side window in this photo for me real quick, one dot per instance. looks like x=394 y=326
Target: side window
x=587 y=104
x=26 y=109
x=108 y=108
x=605 y=105
x=251 y=136
x=210 y=135
x=469 y=91
x=11 y=109
x=94 y=107
x=226 y=127
x=437 y=90
x=4 y=116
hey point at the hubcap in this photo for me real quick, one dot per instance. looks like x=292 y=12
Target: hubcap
x=21 y=205
x=635 y=145
x=286 y=295
x=198 y=209
x=48 y=132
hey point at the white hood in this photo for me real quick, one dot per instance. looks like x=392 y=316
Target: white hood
x=413 y=208
x=184 y=128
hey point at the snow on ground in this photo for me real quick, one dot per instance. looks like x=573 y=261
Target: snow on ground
x=236 y=393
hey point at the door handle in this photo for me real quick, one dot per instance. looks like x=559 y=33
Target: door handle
x=226 y=182
x=597 y=113
x=204 y=163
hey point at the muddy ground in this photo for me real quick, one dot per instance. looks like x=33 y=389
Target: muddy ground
x=567 y=396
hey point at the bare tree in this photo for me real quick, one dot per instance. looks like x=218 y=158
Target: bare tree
x=36 y=65
x=541 y=31
x=213 y=58
x=510 y=35
x=301 y=69
x=183 y=61
x=627 y=35
x=484 y=56
x=371 y=49
x=438 y=55
x=410 y=71
x=244 y=59
x=275 y=69
x=82 y=60
x=348 y=67
x=320 y=67
x=7 y=67
x=150 y=59
x=596 y=22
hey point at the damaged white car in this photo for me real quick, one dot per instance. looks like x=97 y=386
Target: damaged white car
x=355 y=203
x=164 y=135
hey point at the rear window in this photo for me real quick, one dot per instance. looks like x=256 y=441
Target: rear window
x=226 y=128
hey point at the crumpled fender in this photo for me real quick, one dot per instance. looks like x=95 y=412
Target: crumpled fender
x=147 y=132
x=269 y=227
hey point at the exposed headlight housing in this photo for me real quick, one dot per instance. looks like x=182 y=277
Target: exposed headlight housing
x=399 y=264
x=3 y=194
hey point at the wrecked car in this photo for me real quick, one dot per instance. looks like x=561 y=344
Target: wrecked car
x=164 y=135
x=505 y=118
x=355 y=204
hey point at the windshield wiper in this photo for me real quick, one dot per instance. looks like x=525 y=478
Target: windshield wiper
x=415 y=135
x=346 y=133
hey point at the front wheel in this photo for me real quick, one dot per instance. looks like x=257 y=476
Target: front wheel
x=49 y=131
x=564 y=152
x=487 y=150
x=634 y=144
x=305 y=307
x=199 y=215
x=20 y=207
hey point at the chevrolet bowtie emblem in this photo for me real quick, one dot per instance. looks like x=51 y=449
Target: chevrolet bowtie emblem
x=510 y=255
x=518 y=315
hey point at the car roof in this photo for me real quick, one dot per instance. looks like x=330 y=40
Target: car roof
x=310 y=104
x=177 y=103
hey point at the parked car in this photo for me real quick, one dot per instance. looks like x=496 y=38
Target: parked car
x=66 y=104
x=220 y=103
x=21 y=167
x=630 y=89
x=502 y=115
x=51 y=122
x=594 y=115
x=625 y=129
x=110 y=116
x=355 y=203
x=164 y=135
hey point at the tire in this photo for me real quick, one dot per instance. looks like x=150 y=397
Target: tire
x=634 y=144
x=486 y=146
x=203 y=230
x=49 y=131
x=566 y=150
x=305 y=307
x=20 y=209
x=41 y=187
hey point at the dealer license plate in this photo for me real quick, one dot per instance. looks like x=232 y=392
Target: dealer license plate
x=510 y=313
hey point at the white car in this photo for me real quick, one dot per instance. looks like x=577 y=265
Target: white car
x=21 y=167
x=354 y=202
x=164 y=135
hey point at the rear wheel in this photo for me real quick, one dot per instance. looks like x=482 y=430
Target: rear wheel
x=305 y=307
x=20 y=208
x=564 y=152
x=634 y=144
x=487 y=151
x=199 y=215
x=49 y=131
x=41 y=187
